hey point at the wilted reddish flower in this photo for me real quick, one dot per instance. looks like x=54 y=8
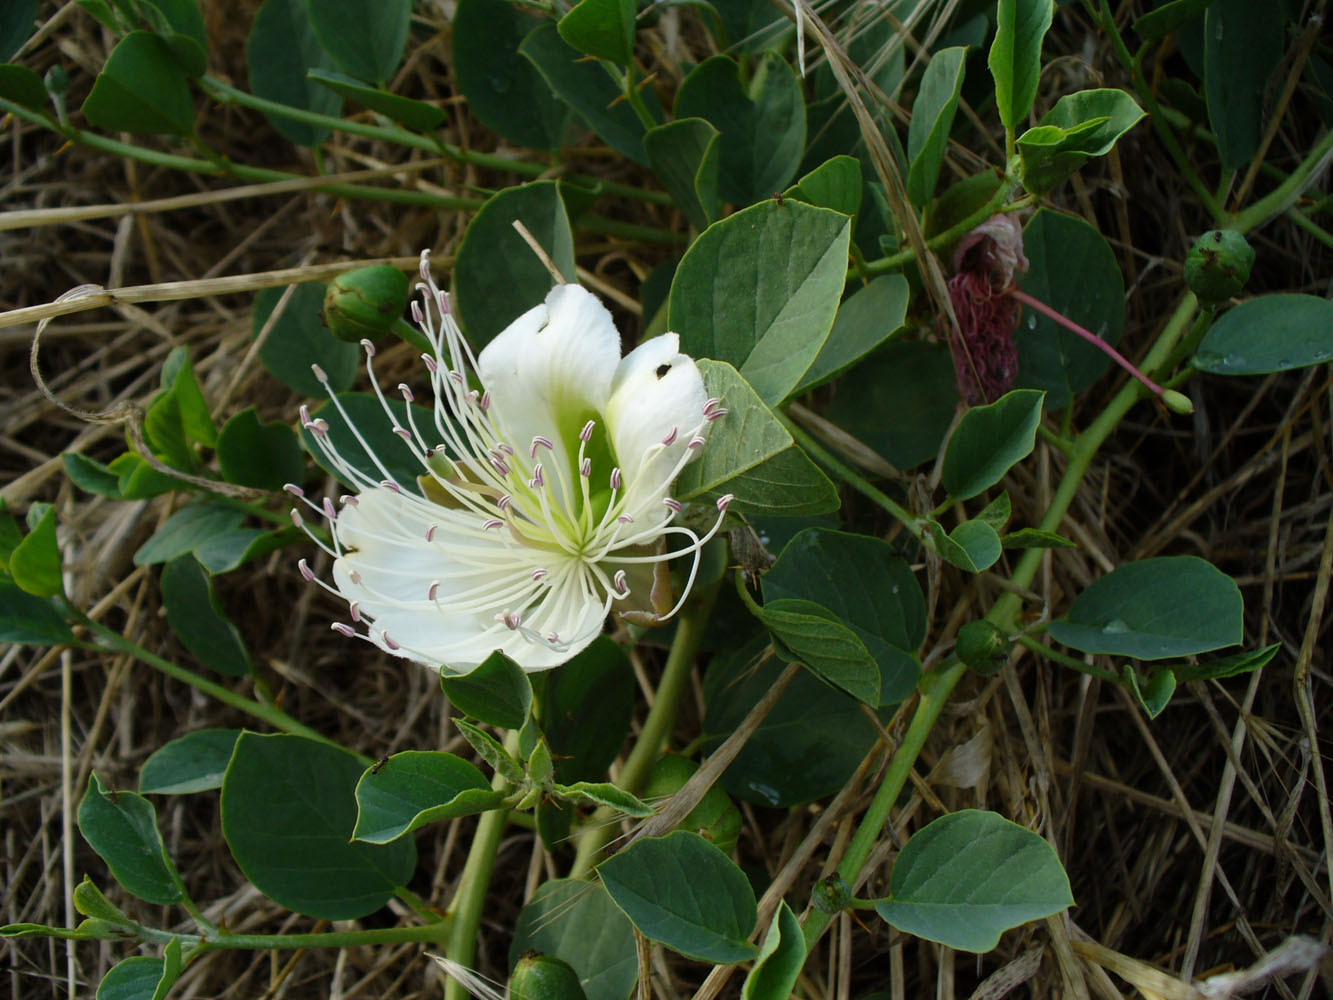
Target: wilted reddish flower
x=985 y=359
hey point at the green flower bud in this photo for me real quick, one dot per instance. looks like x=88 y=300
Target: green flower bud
x=366 y=303
x=544 y=977
x=715 y=818
x=1177 y=402
x=983 y=647
x=1218 y=265
x=832 y=895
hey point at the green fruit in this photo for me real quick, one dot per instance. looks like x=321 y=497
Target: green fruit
x=1218 y=265
x=715 y=818
x=544 y=977
x=983 y=647
x=367 y=303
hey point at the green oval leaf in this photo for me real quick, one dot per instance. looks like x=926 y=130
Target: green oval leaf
x=1242 y=44
x=811 y=633
x=280 y=51
x=988 y=440
x=22 y=86
x=684 y=892
x=871 y=590
x=299 y=339
x=1015 y=56
x=405 y=110
x=1074 y=271
x=762 y=123
x=416 y=787
x=780 y=959
x=835 y=183
x=122 y=828
x=586 y=711
x=968 y=877
x=932 y=118
x=865 y=319
x=189 y=528
x=141 y=89
x=29 y=620
x=577 y=922
x=364 y=38
x=604 y=29
x=262 y=455
x=684 y=156
x=133 y=978
x=759 y=290
x=502 y=87
x=497 y=693
x=194 y=762
x=1080 y=126
x=198 y=619
x=35 y=562
x=288 y=811
x=1272 y=333
x=497 y=277
x=1154 y=609
x=17 y=24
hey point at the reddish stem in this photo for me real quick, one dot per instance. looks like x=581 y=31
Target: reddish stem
x=1087 y=335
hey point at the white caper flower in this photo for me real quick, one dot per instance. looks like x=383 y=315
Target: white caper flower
x=543 y=502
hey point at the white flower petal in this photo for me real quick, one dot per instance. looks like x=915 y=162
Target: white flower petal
x=550 y=370
x=655 y=390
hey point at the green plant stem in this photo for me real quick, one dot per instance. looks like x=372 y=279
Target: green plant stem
x=1028 y=642
x=850 y=476
x=657 y=727
x=473 y=884
x=1285 y=194
x=997 y=205
x=935 y=688
x=1300 y=221
x=228 y=94
x=275 y=717
x=328 y=939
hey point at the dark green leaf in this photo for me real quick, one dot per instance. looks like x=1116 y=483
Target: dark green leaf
x=264 y=456
x=29 y=620
x=194 y=762
x=602 y=793
x=988 y=441
x=299 y=339
x=414 y=114
x=21 y=85
x=1080 y=126
x=90 y=475
x=186 y=529
x=226 y=550
x=780 y=959
x=1154 y=609
x=491 y=751
x=164 y=429
x=281 y=49
x=367 y=415
x=968 y=877
x=35 y=562
x=497 y=692
x=1242 y=45
x=1167 y=18
x=138 y=480
x=901 y=400
x=684 y=156
x=603 y=29
x=1035 y=538
x=288 y=810
x=1153 y=690
x=684 y=892
x=416 y=787
x=1074 y=272
x=587 y=88
x=586 y=711
x=17 y=24
x=762 y=123
x=1015 y=56
x=811 y=633
x=759 y=290
x=141 y=89
x=577 y=922
x=806 y=748
x=133 y=978
x=932 y=118
x=91 y=902
x=1272 y=333
x=364 y=38
x=871 y=590
x=502 y=87
x=497 y=277
x=122 y=828
x=199 y=621
x=835 y=184
x=865 y=319
x=1225 y=666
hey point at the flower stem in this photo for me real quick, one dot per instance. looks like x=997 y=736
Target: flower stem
x=274 y=716
x=935 y=688
x=995 y=206
x=1087 y=335
x=467 y=905
x=691 y=624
